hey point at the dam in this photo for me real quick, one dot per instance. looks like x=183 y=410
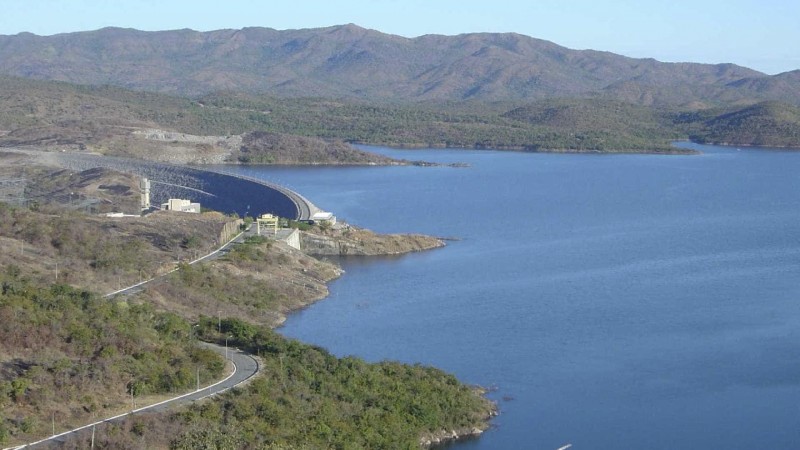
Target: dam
x=214 y=189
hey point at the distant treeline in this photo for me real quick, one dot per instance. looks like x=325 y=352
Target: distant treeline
x=585 y=124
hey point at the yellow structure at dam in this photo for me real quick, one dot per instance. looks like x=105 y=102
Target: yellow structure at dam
x=269 y=222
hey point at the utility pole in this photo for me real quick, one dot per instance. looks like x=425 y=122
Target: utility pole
x=54 y=423
x=56 y=271
x=198 y=379
x=219 y=322
x=93 y=427
x=226 y=347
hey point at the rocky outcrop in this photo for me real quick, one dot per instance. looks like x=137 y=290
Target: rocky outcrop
x=446 y=436
x=350 y=240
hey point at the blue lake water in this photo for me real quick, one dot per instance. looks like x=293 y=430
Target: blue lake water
x=614 y=301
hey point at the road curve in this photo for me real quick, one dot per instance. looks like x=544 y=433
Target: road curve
x=245 y=367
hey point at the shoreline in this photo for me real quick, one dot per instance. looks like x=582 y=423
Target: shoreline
x=428 y=440
x=326 y=247
x=523 y=149
x=726 y=144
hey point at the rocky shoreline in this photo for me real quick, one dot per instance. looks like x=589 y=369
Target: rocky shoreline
x=350 y=240
x=342 y=242
x=445 y=437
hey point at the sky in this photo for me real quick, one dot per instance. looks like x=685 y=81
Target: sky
x=760 y=34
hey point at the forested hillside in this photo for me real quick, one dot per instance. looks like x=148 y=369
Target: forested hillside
x=307 y=398
x=769 y=124
x=106 y=120
x=348 y=61
x=69 y=354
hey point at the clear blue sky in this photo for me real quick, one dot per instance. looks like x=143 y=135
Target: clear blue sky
x=760 y=34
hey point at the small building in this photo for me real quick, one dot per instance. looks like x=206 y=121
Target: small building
x=182 y=205
x=323 y=216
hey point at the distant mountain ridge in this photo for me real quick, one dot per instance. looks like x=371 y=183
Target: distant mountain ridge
x=348 y=61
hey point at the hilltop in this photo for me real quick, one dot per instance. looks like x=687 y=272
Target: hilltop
x=348 y=61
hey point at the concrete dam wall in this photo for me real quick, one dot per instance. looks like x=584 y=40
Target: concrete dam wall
x=213 y=190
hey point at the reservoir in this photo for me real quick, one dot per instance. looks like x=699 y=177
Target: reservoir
x=610 y=301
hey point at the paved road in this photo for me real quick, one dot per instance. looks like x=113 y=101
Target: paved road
x=138 y=287
x=245 y=367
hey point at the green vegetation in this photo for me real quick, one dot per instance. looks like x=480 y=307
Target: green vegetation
x=302 y=226
x=257 y=281
x=259 y=147
x=769 y=124
x=587 y=124
x=309 y=399
x=591 y=125
x=351 y=62
x=594 y=124
x=69 y=353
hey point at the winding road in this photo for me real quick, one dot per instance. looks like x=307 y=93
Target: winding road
x=245 y=366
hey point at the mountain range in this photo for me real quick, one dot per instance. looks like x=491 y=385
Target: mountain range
x=348 y=61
